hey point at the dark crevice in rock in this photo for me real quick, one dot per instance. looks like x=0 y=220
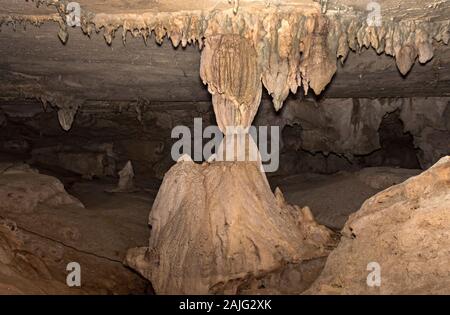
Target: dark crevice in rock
x=397 y=147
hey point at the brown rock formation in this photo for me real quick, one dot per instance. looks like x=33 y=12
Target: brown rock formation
x=217 y=226
x=406 y=230
x=40 y=235
x=22 y=190
x=229 y=67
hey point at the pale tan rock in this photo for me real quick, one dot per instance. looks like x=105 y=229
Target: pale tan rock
x=65 y=117
x=126 y=179
x=23 y=189
x=229 y=67
x=406 y=230
x=217 y=225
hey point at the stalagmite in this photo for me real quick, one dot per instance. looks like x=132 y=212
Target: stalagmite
x=126 y=179
x=217 y=225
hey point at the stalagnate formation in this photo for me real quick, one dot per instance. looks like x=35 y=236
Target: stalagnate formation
x=217 y=226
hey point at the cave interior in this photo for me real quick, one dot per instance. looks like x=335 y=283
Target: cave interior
x=87 y=113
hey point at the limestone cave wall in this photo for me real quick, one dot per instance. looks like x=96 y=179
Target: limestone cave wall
x=319 y=136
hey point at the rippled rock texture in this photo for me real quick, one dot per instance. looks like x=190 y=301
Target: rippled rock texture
x=217 y=227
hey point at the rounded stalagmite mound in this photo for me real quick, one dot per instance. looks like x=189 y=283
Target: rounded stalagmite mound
x=216 y=227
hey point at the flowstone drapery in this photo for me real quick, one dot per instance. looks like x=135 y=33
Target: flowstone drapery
x=217 y=226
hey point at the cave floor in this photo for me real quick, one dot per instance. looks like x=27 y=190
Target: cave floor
x=97 y=235
x=118 y=220
x=333 y=198
x=111 y=223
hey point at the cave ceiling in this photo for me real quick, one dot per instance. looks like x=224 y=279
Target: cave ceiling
x=106 y=59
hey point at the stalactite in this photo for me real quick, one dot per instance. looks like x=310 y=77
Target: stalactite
x=295 y=45
x=66 y=106
x=66 y=116
x=229 y=68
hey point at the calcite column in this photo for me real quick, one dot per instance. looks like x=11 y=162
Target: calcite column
x=217 y=225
